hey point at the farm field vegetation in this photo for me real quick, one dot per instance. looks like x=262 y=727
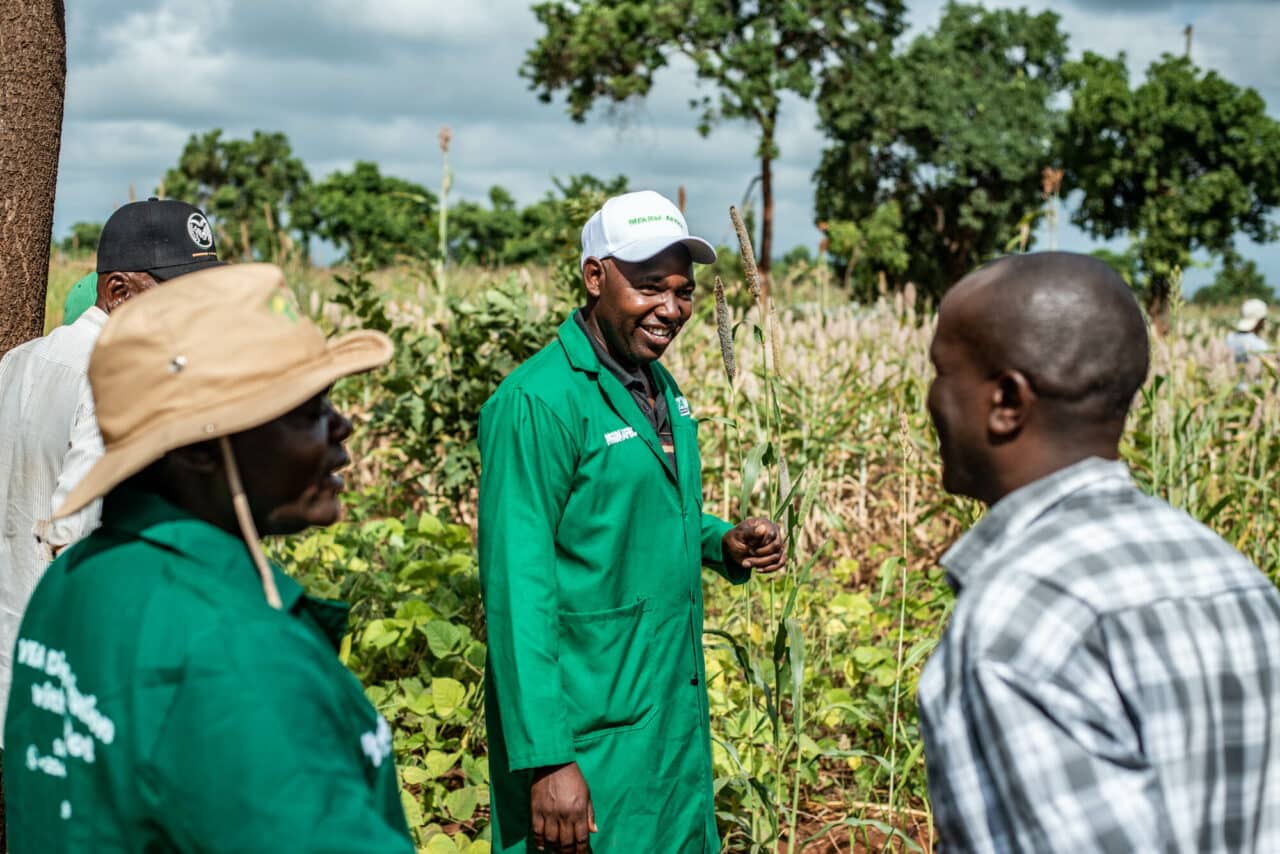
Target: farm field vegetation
x=811 y=676
x=943 y=149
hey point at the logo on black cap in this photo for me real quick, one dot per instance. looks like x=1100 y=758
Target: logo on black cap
x=199 y=230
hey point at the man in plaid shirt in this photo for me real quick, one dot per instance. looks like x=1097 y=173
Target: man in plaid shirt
x=1110 y=678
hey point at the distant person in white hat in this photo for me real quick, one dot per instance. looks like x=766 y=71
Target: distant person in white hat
x=172 y=690
x=592 y=543
x=1245 y=340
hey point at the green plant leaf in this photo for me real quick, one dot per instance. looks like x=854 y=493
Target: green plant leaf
x=412 y=809
x=461 y=803
x=795 y=648
x=447 y=695
x=430 y=525
x=751 y=466
x=438 y=763
x=443 y=638
x=440 y=844
x=415 y=776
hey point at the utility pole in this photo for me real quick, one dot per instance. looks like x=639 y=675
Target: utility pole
x=1187 y=32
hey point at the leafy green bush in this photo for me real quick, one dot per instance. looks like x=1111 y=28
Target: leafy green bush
x=414 y=642
x=426 y=403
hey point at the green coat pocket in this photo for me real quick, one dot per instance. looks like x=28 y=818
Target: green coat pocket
x=604 y=669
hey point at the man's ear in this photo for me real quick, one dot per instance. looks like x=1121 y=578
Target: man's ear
x=593 y=274
x=113 y=289
x=1011 y=400
x=202 y=458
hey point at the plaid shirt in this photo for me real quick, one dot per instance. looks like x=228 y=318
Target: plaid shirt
x=1109 y=680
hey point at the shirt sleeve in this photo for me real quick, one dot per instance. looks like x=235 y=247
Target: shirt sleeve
x=528 y=460
x=262 y=751
x=713 y=531
x=84 y=450
x=1064 y=765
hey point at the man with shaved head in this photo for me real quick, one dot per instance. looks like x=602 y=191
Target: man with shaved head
x=1110 y=678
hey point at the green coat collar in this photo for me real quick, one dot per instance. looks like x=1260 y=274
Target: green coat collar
x=582 y=357
x=223 y=557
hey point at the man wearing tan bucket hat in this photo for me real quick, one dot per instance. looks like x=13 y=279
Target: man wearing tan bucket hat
x=171 y=689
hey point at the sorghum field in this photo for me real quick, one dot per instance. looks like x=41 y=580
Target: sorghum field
x=823 y=425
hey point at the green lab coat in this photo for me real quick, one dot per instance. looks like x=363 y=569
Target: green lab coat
x=590 y=560
x=159 y=704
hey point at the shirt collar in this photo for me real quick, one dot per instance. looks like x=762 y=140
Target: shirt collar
x=225 y=557
x=92 y=316
x=627 y=376
x=1014 y=513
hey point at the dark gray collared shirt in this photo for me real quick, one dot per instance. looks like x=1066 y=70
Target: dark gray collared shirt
x=1109 y=680
x=643 y=390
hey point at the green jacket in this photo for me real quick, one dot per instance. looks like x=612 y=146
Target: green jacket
x=590 y=560
x=160 y=704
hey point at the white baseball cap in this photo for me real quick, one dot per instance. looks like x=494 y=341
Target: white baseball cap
x=637 y=226
x=1251 y=312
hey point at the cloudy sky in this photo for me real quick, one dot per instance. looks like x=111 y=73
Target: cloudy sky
x=376 y=80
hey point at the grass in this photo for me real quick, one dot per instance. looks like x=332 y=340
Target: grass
x=812 y=677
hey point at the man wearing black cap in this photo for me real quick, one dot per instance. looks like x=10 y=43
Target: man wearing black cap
x=48 y=434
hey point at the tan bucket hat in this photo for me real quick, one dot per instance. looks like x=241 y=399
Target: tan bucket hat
x=209 y=354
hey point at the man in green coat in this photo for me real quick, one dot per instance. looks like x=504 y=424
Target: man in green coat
x=592 y=542
x=173 y=691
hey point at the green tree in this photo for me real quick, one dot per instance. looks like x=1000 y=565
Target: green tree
x=1238 y=280
x=370 y=216
x=82 y=239
x=480 y=235
x=752 y=52
x=1183 y=162
x=545 y=232
x=551 y=228
x=954 y=128
x=871 y=248
x=1125 y=263
x=245 y=186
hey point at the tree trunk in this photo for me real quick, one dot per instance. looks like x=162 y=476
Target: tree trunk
x=765 y=255
x=33 y=76
x=1158 y=292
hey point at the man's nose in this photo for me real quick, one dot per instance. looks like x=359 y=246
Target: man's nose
x=669 y=308
x=339 y=426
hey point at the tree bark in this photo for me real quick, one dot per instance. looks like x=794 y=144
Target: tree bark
x=33 y=75
x=1158 y=293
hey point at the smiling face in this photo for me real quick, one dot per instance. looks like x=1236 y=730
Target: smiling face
x=639 y=307
x=289 y=467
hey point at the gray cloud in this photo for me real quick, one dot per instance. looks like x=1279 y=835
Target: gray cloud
x=1179 y=6
x=377 y=82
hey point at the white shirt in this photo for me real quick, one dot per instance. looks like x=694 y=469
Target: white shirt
x=1243 y=344
x=48 y=441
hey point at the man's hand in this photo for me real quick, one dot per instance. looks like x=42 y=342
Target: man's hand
x=755 y=544
x=560 y=803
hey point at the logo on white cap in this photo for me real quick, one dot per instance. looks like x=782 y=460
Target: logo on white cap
x=637 y=226
x=199 y=231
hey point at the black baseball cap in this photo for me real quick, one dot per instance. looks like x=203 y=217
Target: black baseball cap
x=164 y=237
